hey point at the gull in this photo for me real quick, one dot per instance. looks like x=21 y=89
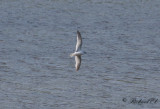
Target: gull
x=78 y=52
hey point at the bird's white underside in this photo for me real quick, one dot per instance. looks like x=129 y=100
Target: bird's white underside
x=78 y=51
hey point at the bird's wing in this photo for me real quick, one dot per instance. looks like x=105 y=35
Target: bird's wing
x=79 y=41
x=78 y=62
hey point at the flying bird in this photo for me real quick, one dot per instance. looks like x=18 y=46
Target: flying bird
x=78 y=52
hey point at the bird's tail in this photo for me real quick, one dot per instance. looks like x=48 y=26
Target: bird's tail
x=72 y=54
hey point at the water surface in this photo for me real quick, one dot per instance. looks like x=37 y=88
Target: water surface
x=122 y=61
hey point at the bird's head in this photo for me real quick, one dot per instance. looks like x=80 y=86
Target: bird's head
x=85 y=52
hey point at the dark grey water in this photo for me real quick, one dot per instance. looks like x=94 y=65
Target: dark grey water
x=122 y=40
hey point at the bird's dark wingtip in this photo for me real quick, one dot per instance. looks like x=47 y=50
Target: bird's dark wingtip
x=78 y=32
x=77 y=69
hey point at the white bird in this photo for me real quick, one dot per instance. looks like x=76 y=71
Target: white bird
x=78 y=52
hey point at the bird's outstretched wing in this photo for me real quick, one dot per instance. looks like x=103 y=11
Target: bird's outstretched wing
x=78 y=62
x=79 y=41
